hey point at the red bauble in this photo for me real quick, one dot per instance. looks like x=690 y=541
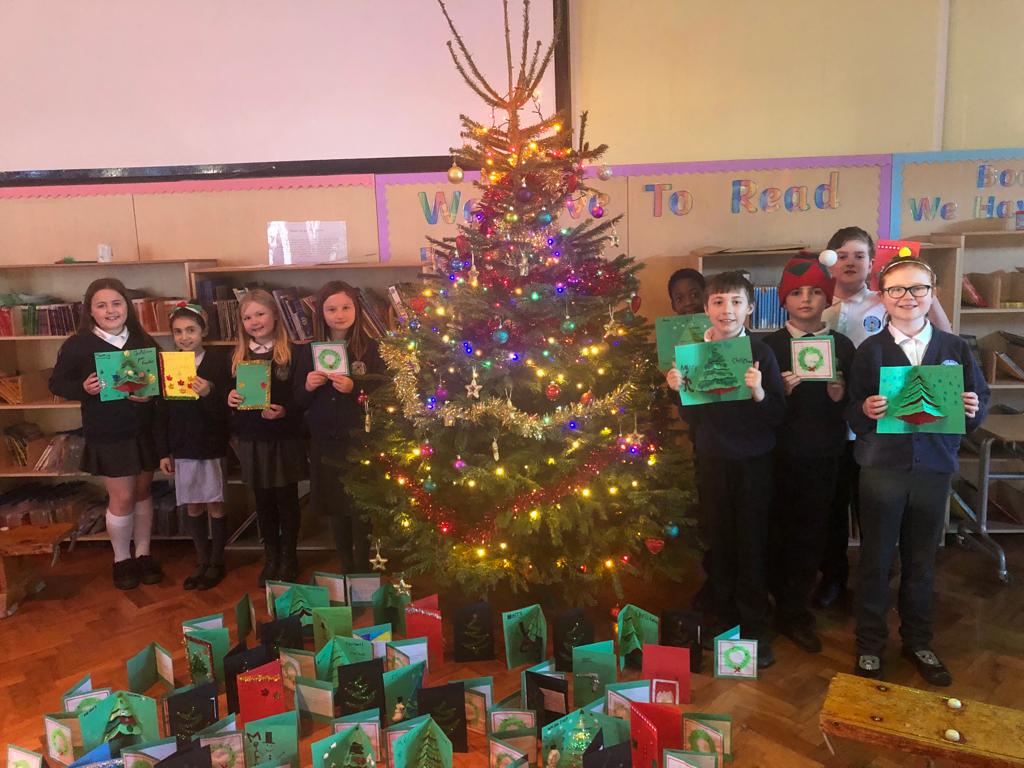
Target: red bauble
x=634 y=304
x=361 y=398
x=462 y=245
x=553 y=391
x=654 y=546
x=586 y=397
x=572 y=182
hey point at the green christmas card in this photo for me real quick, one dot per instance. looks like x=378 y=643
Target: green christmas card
x=128 y=372
x=82 y=696
x=63 y=737
x=314 y=699
x=348 y=749
x=503 y=754
x=547 y=667
x=402 y=653
x=296 y=663
x=526 y=636
x=252 y=382
x=424 y=746
x=273 y=739
x=338 y=652
x=735 y=657
x=922 y=398
x=479 y=694
x=330 y=621
x=713 y=371
x=368 y=721
x=361 y=588
x=680 y=758
x=593 y=668
x=330 y=357
x=401 y=689
x=300 y=600
x=227 y=750
x=149 y=754
x=245 y=617
x=814 y=358
x=334 y=583
x=122 y=718
x=704 y=732
x=19 y=757
x=389 y=607
x=619 y=696
x=514 y=728
x=676 y=330
x=636 y=628
x=150 y=665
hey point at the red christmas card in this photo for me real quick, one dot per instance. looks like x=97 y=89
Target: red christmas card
x=653 y=728
x=261 y=692
x=423 y=619
x=667 y=663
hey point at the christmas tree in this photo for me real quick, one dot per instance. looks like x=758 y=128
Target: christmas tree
x=498 y=452
x=446 y=718
x=630 y=644
x=716 y=378
x=915 y=403
x=477 y=640
x=129 y=377
x=429 y=754
x=358 y=695
x=122 y=727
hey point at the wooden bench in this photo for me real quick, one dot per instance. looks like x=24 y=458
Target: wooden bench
x=18 y=548
x=922 y=723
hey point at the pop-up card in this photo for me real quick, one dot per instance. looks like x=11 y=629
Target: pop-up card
x=338 y=652
x=150 y=665
x=190 y=710
x=513 y=729
x=389 y=607
x=714 y=371
x=330 y=621
x=361 y=587
x=922 y=398
x=314 y=699
x=526 y=635
x=682 y=629
x=361 y=686
x=19 y=757
x=121 y=719
x=619 y=697
x=668 y=669
x=330 y=357
x=241 y=659
x=296 y=663
x=392 y=733
x=127 y=373
x=446 y=704
x=703 y=732
x=368 y=722
x=273 y=740
x=564 y=741
x=334 y=583
x=635 y=628
x=616 y=756
x=675 y=330
x=82 y=696
x=593 y=668
x=547 y=695
x=479 y=698
x=423 y=619
x=282 y=633
x=245 y=617
x=572 y=628
x=63 y=737
x=351 y=747
x=274 y=589
x=402 y=653
x=653 y=728
x=261 y=692
x=679 y=758
x=814 y=358
x=401 y=692
x=300 y=600
x=252 y=382
x=423 y=745
x=177 y=372
x=474 y=632
x=148 y=755
x=379 y=635
x=735 y=657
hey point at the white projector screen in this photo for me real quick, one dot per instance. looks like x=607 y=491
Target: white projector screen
x=140 y=83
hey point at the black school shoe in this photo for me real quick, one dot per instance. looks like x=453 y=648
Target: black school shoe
x=868 y=666
x=213 y=576
x=765 y=655
x=803 y=636
x=126 y=574
x=929 y=667
x=149 y=570
x=829 y=594
x=193 y=581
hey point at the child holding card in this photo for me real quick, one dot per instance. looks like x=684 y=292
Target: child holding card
x=904 y=480
x=269 y=441
x=334 y=406
x=811 y=441
x=734 y=442
x=119 y=443
x=192 y=437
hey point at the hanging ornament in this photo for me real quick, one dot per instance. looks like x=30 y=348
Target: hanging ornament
x=634 y=303
x=473 y=273
x=426 y=450
x=553 y=391
x=414 y=324
x=455 y=174
x=524 y=194
x=449 y=420
x=361 y=398
x=605 y=173
x=568 y=326
x=459 y=464
x=462 y=245
x=616 y=609
x=366 y=421
x=597 y=211
x=611 y=325
x=500 y=336
x=429 y=485
x=524 y=266
x=572 y=182
x=494 y=449
x=377 y=561
x=403 y=587
x=672 y=530
x=473 y=388
x=441 y=393
x=586 y=397
x=511 y=217
x=654 y=546
x=544 y=218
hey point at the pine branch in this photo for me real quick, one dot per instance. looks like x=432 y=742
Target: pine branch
x=526 y=40
x=469 y=59
x=493 y=101
x=508 y=51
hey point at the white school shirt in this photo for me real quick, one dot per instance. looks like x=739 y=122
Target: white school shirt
x=797 y=333
x=259 y=349
x=199 y=357
x=913 y=347
x=116 y=339
x=857 y=317
x=709 y=331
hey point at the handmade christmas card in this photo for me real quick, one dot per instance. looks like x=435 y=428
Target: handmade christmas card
x=402 y=653
x=328 y=622
x=261 y=692
x=572 y=628
x=149 y=666
x=241 y=659
x=245 y=617
x=389 y=607
x=514 y=728
x=368 y=722
x=683 y=629
x=547 y=695
x=501 y=754
x=190 y=710
x=474 y=632
x=546 y=667
x=334 y=583
x=479 y=698
x=228 y=724
x=708 y=733
x=213 y=621
x=350 y=747
x=526 y=636
x=63 y=737
x=619 y=697
x=314 y=699
x=273 y=740
x=282 y=633
x=423 y=619
x=338 y=652
x=446 y=704
x=564 y=741
x=361 y=587
x=296 y=663
x=379 y=635
x=714 y=371
x=300 y=600
x=360 y=686
x=653 y=728
x=177 y=372
x=421 y=746
x=330 y=357
x=102 y=756
x=668 y=669
x=401 y=692
x=814 y=358
x=616 y=756
x=192 y=756
x=274 y=589
x=121 y=719
x=735 y=657
x=205 y=650
x=593 y=668
x=922 y=398
x=252 y=382
x=679 y=758
x=149 y=754
x=635 y=628
x=675 y=330
x=82 y=696
x=19 y=757
x=128 y=373
x=227 y=750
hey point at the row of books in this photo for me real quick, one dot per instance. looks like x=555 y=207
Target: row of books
x=54 y=319
x=768 y=314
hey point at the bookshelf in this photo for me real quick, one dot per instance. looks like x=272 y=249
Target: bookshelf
x=764 y=265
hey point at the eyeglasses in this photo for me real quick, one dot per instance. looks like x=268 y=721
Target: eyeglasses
x=899 y=291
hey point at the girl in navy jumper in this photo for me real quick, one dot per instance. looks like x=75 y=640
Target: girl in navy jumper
x=334 y=411
x=269 y=442
x=904 y=481
x=119 y=444
x=192 y=438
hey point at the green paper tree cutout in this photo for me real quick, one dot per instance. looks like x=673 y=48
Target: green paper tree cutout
x=199 y=667
x=915 y=404
x=359 y=694
x=630 y=645
x=446 y=717
x=475 y=637
x=356 y=757
x=529 y=641
x=716 y=378
x=429 y=754
x=338 y=659
x=573 y=637
x=122 y=728
x=300 y=606
x=128 y=377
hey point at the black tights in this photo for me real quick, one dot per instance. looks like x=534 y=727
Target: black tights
x=277 y=510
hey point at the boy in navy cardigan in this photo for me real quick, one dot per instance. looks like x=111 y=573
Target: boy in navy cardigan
x=904 y=481
x=734 y=442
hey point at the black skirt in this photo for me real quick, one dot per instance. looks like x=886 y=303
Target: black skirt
x=272 y=463
x=121 y=458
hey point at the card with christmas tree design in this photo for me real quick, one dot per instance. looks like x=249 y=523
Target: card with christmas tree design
x=593 y=668
x=190 y=710
x=675 y=330
x=814 y=357
x=474 y=632
x=252 y=382
x=282 y=633
x=339 y=651
x=245 y=616
x=714 y=371
x=205 y=650
x=614 y=756
x=82 y=696
x=296 y=663
x=368 y=722
x=636 y=628
x=19 y=757
x=401 y=692
x=479 y=698
x=572 y=627
x=241 y=659
x=128 y=373
x=705 y=732
x=348 y=749
x=274 y=589
x=683 y=629
x=361 y=686
x=526 y=636
x=679 y=758
x=446 y=704
x=149 y=754
x=424 y=746
x=149 y=666
x=300 y=600
x=734 y=656
x=620 y=696
x=314 y=699
x=177 y=372
x=334 y=583
x=564 y=741
x=330 y=357
x=330 y=621
x=227 y=750
x=922 y=398
x=261 y=692
x=274 y=740
x=396 y=731
x=122 y=719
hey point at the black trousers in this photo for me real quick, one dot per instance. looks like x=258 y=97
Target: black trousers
x=737 y=495
x=835 y=567
x=905 y=510
x=350 y=529
x=803 y=510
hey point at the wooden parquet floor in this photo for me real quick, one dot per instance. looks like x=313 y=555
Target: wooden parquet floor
x=80 y=624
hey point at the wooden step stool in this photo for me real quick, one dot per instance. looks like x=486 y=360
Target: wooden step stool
x=18 y=546
x=922 y=723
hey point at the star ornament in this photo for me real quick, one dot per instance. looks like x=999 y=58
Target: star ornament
x=473 y=389
x=378 y=562
x=403 y=587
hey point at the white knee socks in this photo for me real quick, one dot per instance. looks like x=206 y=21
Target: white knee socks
x=143 y=525
x=119 y=527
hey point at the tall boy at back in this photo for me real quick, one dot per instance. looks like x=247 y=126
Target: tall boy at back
x=734 y=442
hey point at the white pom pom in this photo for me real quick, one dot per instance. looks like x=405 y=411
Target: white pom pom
x=828 y=258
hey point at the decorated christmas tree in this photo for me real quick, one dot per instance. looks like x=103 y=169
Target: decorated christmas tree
x=521 y=439
x=478 y=642
x=716 y=378
x=358 y=695
x=915 y=403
